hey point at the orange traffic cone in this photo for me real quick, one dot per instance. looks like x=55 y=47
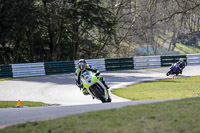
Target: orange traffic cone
x=19 y=104
x=173 y=77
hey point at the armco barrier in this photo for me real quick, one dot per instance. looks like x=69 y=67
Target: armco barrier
x=5 y=71
x=168 y=60
x=98 y=63
x=59 y=67
x=146 y=62
x=119 y=63
x=193 y=59
x=28 y=69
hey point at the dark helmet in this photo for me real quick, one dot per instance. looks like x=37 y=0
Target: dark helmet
x=82 y=64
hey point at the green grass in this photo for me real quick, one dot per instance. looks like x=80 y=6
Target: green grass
x=183 y=49
x=13 y=104
x=162 y=89
x=166 y=117
x=3 y=79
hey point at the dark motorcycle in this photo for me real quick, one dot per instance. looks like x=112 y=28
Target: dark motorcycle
x=174 y=69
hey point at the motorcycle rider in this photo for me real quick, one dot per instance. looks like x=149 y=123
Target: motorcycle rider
x=182 y=65
x=82 y=67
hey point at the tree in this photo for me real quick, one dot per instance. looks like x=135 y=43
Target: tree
x=18 y=23
x=52 y=30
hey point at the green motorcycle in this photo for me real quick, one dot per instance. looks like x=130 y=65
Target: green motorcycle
x=95 y=87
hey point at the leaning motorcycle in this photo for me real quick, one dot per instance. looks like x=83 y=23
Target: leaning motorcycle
x=174 y=69
x=95 y=87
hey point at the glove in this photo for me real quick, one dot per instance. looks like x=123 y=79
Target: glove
x=79 y=85
x=97 y=74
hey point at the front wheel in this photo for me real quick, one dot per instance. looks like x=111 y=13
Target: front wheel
x=168 y=73
x=99 y=94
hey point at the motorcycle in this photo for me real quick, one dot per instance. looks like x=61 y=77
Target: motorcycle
x=174 y=69
x=95 y=87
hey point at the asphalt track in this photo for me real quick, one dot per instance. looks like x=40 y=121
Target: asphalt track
x=61 y=89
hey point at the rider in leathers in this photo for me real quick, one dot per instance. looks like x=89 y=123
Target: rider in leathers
x=182 y=65
x=82 y=67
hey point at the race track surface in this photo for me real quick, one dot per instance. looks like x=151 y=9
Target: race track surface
x=61 y=89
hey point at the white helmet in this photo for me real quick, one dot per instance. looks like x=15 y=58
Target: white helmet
x=82 y=64
x=181 y=60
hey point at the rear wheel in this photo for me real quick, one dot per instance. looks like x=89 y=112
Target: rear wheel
x=109 y=99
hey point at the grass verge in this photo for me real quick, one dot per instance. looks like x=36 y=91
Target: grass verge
x=183 y=49
x=171 y=117
x=3 y=79
x=13 y=104
x=162 y=89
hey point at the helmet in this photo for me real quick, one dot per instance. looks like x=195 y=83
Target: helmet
x=82 y=64
x=181 y=60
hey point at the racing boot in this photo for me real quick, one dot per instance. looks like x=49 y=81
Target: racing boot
x=85 y=92
x=180 y=71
